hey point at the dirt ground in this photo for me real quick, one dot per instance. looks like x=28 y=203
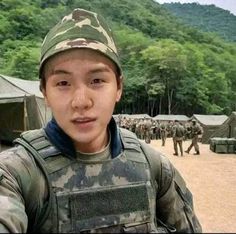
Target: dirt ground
x=211 y=178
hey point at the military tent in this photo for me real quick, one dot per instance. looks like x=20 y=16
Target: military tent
x=209 y=123
x=227 y=129
x=22 y=107
x=139 y=116
x=167 y=118
x=132 y=116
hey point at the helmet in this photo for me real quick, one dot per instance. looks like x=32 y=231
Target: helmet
x=194 y=120
x=80 y=29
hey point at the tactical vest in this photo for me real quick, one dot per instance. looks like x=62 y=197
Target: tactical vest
x=116 y=195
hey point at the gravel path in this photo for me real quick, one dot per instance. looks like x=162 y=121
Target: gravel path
x=212 y=179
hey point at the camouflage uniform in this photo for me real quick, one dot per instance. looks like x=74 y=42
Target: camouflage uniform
x=163 y=133
x=147 y=124
x=195 y=131
x=169 y=128
x=45 y=188
x=27 y=194
x=178 y=136
x=187 y=130
x=142 y=129
x=157 y=130
x=138 y=128
x=125 y=123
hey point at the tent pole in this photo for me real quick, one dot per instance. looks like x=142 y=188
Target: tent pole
x=25 y=114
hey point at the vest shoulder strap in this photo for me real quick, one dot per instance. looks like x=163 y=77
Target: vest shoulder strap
x=160 y=167
x=129 y=139
x=37 y=139
x=35 y=143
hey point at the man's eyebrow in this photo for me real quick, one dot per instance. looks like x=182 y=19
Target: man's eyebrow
x=99 y=69
x=60 y=71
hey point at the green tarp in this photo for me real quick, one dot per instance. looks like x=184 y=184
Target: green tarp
x=209 y=123
x=22 y=107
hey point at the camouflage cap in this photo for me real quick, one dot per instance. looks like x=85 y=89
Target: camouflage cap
x=80 y=29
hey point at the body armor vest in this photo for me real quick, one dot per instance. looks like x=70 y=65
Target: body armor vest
x=115 y=195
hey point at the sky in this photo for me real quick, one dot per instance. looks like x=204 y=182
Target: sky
x=229 y=5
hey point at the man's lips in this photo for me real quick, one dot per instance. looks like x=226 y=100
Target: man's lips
x=82 y=120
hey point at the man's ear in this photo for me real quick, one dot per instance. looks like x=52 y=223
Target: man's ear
x=119 y=88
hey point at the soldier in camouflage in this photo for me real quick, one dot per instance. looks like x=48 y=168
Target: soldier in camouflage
x=163 y=133
x=81 y=173
x=178 y=136
x=196 y=130
x=147 y=125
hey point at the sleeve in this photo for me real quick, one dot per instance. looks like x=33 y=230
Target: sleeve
x=174 y=205
x=13 y=218
x=17 y=174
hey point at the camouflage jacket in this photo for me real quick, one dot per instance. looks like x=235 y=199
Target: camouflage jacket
x=196 y=130
x=24 y=191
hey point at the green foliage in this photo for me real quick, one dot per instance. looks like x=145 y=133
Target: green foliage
x=23 y=55
x=168 y=67
x=208 y=18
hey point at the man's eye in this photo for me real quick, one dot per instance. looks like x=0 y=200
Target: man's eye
x=96 y=81
x=63 y=83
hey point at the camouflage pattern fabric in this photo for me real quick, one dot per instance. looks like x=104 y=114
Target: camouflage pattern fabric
x=178 y=137
x=196 y=130
x=23 y=183
x=80 y=29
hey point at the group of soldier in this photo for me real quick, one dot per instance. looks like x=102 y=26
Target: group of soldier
x=149 y=129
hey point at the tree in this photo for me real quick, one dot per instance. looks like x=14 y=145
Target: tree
x=167 y=63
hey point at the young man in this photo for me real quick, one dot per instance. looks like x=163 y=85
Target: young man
x=196 y=130
x=81 y=173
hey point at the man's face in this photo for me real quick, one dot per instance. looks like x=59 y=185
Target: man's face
x=81 y=89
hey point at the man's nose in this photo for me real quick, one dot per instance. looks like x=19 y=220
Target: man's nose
x=81 y=99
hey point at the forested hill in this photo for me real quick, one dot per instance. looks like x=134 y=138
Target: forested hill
x=207 y=18
x=169 y=67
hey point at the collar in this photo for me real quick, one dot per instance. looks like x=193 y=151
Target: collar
x=65 y=144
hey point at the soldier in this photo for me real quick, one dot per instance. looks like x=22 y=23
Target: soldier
x=142 y=129
x=133 y=125
x=81 y=173
x=188 y=130
x=147 y=127
x=124 y=122
x=118 y=120
x=153 y=129
x=196 y=130
x=169 y=128
x=157 y=130
x=139 y=127
x=163 y=133
x=178 y=136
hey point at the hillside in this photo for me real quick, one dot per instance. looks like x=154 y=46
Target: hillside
x=207 y=18
x=169 y=67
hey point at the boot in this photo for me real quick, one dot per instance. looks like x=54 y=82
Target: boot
x=175 y=154
x=197 y=153
x=186 y=151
